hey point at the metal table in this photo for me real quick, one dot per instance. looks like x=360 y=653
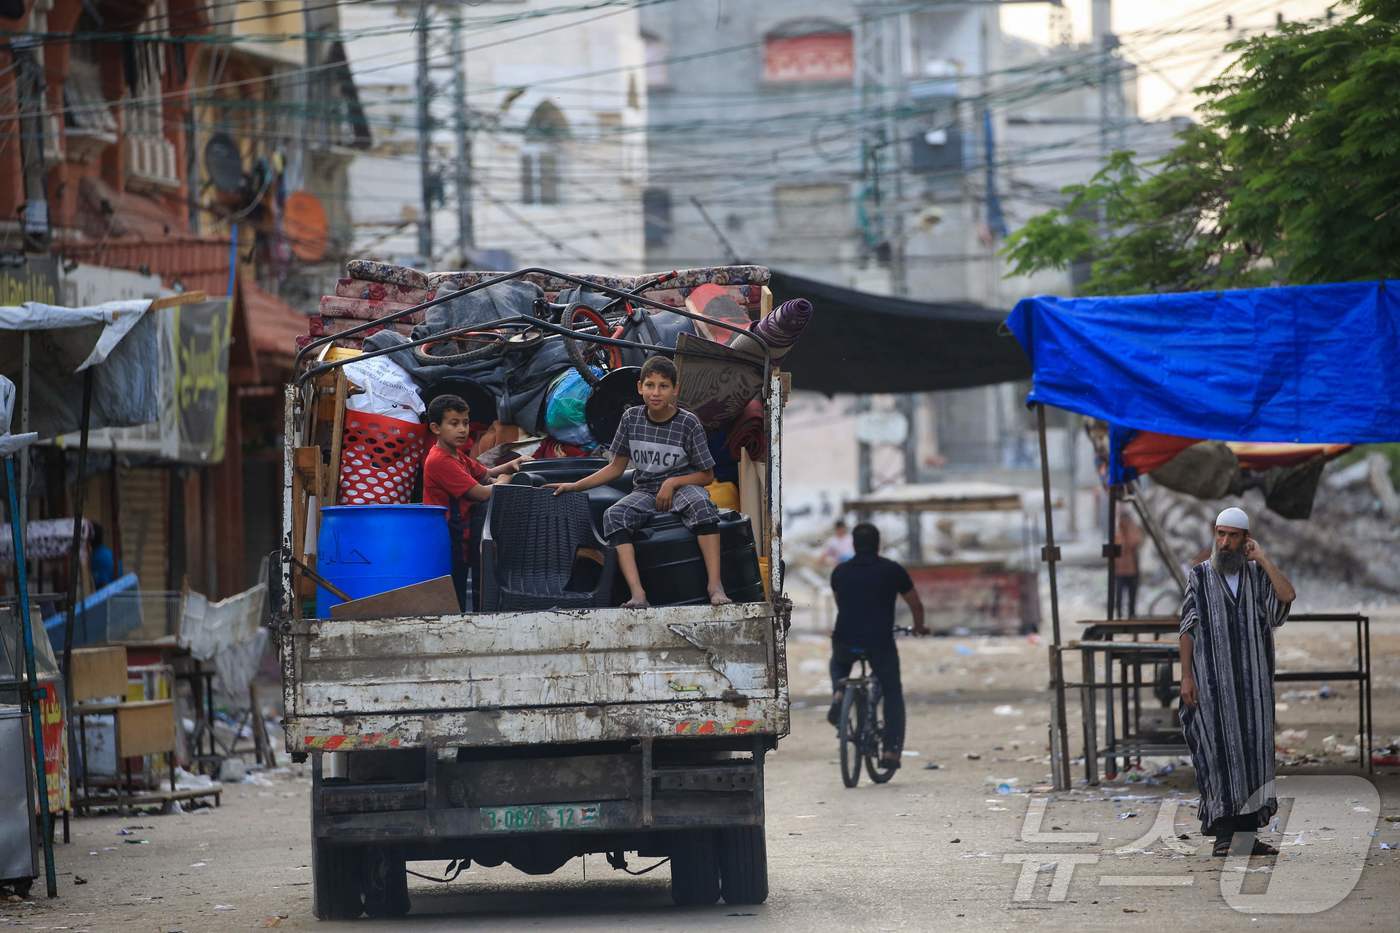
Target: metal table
x=1131 y=656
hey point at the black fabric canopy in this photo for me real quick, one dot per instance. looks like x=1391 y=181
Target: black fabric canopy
x=858 y=342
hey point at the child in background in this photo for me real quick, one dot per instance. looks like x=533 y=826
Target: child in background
x=673 y=464
x=452 y=478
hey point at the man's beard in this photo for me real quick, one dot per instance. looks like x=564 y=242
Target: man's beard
x=1226 y=563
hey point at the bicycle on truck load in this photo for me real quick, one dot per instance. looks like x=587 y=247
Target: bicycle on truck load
x=531 y=735
x=861 y=723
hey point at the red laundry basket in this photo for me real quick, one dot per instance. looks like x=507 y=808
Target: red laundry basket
x=379 y=459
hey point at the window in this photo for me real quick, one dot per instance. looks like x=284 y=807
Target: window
x=805 y=52
x=657 y=53
x=539 y=155
x=150 y=157
x=656 y=216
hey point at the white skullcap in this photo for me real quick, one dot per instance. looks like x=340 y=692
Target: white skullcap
x=1232 y=518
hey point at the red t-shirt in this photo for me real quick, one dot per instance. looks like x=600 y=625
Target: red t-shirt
x=447 y=479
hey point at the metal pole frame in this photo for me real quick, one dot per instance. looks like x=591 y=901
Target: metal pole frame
x=30 y=690
x=76 y=547
x=1050 y=554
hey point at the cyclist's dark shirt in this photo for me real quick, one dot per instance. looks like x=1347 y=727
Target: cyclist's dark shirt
x=866 y=587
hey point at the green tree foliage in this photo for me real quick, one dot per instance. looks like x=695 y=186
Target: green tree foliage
x=1292 y=176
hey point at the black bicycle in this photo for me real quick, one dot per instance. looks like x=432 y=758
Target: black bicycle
x=861 y=724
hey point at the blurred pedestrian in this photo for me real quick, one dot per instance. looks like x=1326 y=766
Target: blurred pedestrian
x=1125 y=565
x=839 y=548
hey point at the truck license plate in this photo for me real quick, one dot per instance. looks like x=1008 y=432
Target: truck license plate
x=540 y=817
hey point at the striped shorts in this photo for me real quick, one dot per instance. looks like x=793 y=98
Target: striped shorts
x=631 y=512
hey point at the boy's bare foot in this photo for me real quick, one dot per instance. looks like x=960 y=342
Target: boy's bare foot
x=637 y=602
x=718 y=597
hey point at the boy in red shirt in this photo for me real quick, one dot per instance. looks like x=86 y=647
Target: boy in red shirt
x=452 y=478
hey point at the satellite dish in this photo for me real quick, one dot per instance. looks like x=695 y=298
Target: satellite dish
x=224 y=163
x=304 y=223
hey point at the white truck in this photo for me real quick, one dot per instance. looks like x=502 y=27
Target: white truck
x=533 y=737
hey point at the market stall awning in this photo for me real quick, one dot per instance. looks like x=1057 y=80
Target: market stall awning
x=1299 y=364
x=859 y=342
x=117 y=341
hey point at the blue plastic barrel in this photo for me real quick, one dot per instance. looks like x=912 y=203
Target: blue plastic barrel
x=370 y=549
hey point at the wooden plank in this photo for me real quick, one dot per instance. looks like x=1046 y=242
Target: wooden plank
x=331 y=482
x=99 y=672
x=431 y=597
x=145 y=728
x=173 y=301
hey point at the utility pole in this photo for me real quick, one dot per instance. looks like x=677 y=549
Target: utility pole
x=30 y=82
x=882 y=89
x=425 y=137
x=1112 y=107
x=465 y=234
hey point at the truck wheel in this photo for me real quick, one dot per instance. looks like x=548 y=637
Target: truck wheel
x=336 y=881
x=695 y=869
x=386 y=883
x=743 y=865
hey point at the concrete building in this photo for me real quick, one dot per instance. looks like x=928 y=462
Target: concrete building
x=557 y=162
x=764 y=146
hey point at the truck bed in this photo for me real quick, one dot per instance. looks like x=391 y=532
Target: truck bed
x=527 y=678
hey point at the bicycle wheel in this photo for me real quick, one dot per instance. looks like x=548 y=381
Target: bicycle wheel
x=483 y=345
x=852 y=729
x=874 y=744
x=585 y=354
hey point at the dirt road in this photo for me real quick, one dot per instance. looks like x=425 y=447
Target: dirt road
x=935 y=849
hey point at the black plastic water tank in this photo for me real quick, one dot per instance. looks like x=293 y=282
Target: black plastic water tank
x=673 y=572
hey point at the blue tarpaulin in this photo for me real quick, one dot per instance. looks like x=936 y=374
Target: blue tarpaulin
x=1302 y=364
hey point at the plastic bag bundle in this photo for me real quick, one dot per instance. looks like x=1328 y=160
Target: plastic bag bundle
x=564 y=409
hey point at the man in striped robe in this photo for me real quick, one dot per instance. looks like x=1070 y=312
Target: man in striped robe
x=1233 y=603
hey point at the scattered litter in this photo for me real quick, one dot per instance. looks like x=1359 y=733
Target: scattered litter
x=224 y=907
x=1266 y=869
x=79 y=879
x=909 y=754
x=1326 y=692
x=232 y=770
x=972 y=756
x=126 y=832
x=954 y=841
x=932 y=766
x=997 y=809
x=1127 y=814
x=1392 y=819
x=198 y=864
x=1360 y=809
x=977 y=855
x=1387 y=846
x=1134 y=910
x=1004 y=788
x=136 y=842
x=805 y=816
x=964 y=649
x=1006 y=711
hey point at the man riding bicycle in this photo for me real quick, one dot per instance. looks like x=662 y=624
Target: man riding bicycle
x=865 y=587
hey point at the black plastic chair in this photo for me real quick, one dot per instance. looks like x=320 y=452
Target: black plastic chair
x=530 y=552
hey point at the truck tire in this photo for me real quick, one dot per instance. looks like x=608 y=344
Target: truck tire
x=743 y=865
x=695 y=869
x=386 y=883
x=336 y=881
